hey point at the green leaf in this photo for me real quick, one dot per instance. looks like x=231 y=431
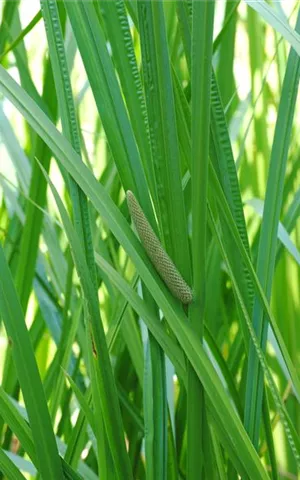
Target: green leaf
x=268 y=237
x=276 y=21
x=28 y=375
x=248 y=459
x=8 y=467
x=98 y=64
x=201 y=71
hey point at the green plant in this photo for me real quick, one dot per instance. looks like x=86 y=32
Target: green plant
x=169 y=352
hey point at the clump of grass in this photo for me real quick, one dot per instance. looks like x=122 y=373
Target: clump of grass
x=182 y=117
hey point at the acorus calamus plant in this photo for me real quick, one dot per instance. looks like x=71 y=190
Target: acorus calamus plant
x=149 y=240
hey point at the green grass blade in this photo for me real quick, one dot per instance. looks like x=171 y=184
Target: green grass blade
x=20 y=427
x=118 y=33
x=270 y=15
x=184 y=25
x=224 y=162
x=17 y=424
x=34 y=218
x=33 y=224
x=9 y=469
x=83 y=402
x=227 y=27
x=288 y=425
x=282 y=234
x=103 y=374
x=154 y=400
x=202 y=37
x=98 y=64
x=9 y=10
x=225 y=212
x=22 y=35
x=258 y=97
x=268 y=237
x=163 y=133
x=133 y=298
x=70 y=129
x=155 y=326
x=226 y=40
x=28 y=375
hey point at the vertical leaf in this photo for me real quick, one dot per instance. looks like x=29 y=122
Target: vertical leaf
x=202 y=38
x=28 y=376
x=268 y=237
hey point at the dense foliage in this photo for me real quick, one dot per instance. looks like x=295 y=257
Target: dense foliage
x=108 y=370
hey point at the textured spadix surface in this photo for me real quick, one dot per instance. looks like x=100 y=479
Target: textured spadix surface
x=160 y=259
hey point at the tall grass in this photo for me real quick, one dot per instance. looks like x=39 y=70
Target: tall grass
x=105 y=372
